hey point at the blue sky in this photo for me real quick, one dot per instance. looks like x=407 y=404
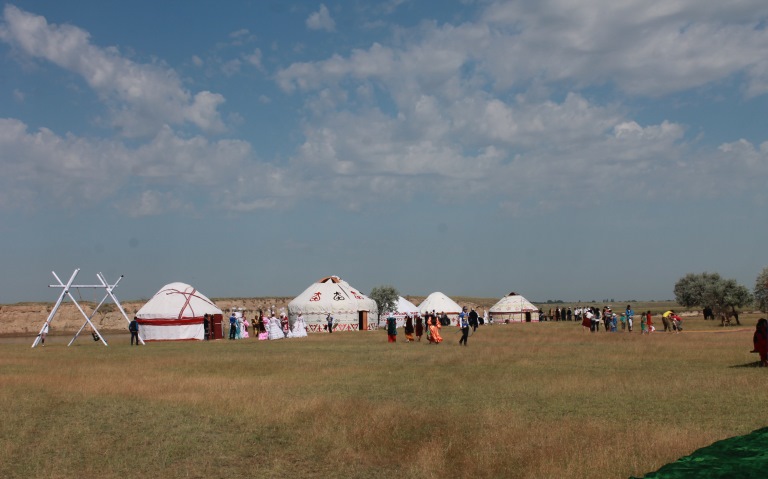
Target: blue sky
x=562 y=149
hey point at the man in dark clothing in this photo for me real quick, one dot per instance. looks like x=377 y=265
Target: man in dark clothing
x=232 y=327
x=133 y=327
x=206 y=326
x=473 y=320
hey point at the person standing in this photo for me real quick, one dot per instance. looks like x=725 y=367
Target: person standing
x=391 y=329
x=569 y=314
x=133 y=327
x=630 y=316
x=329 y=320
x=408 y=328
x=275 y=328
x=760 y=341
x=649 y=321
x=464 y=325
x=44 y=333
x=473 y=319
x=419 y=327
x=232 y=326
x=206 y=327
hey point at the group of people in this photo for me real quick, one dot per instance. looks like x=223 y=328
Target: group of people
x=262 y=326
x=591 y=318
x=414 y=326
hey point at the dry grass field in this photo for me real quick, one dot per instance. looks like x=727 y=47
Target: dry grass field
x=523 y=400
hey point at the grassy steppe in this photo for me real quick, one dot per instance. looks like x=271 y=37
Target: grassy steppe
x=524 y=400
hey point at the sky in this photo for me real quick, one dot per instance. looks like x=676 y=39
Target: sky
x=561 y=149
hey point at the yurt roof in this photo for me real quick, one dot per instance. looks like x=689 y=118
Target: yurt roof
x=331 y=294
x=177 y=301
x=405 y=307
x=513 y=303
x=439 y=302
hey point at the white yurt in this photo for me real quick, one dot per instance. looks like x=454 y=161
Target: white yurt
x=438 y=302
x=514 y=308
x=175 y=313
x=350 y=308
x=403 y=308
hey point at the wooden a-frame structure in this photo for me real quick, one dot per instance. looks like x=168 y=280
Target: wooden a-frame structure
x=66 y=292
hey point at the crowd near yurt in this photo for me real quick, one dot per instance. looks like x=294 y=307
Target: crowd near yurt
x=402 y=309
x=440 y=303
x=513 y=308
x=175 y=313
x=350 y=309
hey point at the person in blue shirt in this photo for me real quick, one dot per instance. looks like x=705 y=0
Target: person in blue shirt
x=630 y=315
x=133 y=327
x=232 y=326
x=464 y=325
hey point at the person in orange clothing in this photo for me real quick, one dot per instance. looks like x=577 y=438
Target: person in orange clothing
x=434 y=330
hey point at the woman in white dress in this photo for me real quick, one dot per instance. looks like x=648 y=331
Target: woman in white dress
x=275 y=328
x=299 y=329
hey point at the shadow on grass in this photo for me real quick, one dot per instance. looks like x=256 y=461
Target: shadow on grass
x=755 y=364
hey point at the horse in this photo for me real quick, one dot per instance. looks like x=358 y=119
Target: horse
x=725 y=318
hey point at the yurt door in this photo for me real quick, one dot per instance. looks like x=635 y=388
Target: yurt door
x=362 y=320
x=216 y=327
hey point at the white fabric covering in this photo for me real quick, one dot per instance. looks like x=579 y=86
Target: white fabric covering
x=332 y=295
x=439 y=303
x=513 y=307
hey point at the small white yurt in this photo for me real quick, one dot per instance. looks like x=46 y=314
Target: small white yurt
x=439 y=303
x=403 y=308
x=175 y=313
x=350 y=308
x=513 y=308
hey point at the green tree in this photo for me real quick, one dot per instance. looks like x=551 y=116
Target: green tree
x=761 y=290
x=709 y=289
x=386 y=299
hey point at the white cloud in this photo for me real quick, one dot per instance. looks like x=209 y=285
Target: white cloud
x=648 y=48
x=151 y=203
x=44 y=169
x=231 y=67
x=254 y=58
x=321 y=20
x=142 y=97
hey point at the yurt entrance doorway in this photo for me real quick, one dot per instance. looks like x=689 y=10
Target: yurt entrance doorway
x=362 y=323
x=216 y=331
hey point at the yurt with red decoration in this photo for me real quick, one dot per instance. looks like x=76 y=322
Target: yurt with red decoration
x=513 y=308
x=175 y=313
x=350 y=308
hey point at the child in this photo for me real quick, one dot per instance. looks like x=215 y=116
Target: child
x=623 y=320
x=643 y=328
x=613 y=323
